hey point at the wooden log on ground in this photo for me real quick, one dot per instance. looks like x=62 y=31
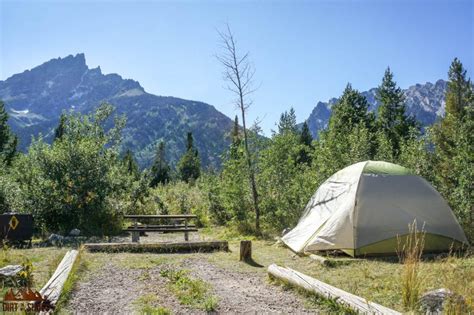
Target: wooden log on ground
x=10 y=270
x=325 y=290
x=245 y=250
x=52 y=289
x=164 y=247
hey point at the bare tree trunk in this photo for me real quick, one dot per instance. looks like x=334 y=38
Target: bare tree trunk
x=251 y=175
x=239 y=72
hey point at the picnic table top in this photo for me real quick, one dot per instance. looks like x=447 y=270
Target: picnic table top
x=161 y=216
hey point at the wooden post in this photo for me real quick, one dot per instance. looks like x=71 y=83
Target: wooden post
x=135 y=234
x=186 y=236
x=245 y=250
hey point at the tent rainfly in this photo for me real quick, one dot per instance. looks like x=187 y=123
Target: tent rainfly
x=365 y=208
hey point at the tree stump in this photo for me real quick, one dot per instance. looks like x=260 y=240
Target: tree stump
x=245 y=250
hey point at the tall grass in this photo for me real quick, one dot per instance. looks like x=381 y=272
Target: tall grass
x=458 y=280
x=410 y=249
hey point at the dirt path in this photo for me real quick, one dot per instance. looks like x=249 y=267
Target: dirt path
x=244 y=292
x=114 y=289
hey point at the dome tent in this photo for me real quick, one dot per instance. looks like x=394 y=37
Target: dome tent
x=363 y=208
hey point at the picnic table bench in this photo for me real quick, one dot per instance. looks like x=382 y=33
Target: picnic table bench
x=182 y=225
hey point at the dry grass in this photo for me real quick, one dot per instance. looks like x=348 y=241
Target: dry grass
x=43 y=260
x=377 y=280
x=410 y=250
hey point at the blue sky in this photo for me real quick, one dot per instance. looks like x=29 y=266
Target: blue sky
x=303 y=51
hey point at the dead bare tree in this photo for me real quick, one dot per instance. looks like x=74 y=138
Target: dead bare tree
x=239 y=72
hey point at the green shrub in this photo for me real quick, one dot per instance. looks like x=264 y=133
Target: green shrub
x=78 y=181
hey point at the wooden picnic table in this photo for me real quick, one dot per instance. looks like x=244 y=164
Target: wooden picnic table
x=164 y=228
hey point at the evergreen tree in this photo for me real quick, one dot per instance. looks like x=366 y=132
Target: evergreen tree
x=453 y=137
x=287 y=122
x=350 y=111
x=305 y=137
x=189 y=166
x=333 y=149
x=160 y=171
x=306 y=141
x=8 y=141
x=130 y=164
x=60 y=129
x=392 y=120
x=236 y=140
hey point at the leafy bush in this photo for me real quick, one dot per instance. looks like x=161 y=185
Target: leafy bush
x=78 y=181
x=183 y=198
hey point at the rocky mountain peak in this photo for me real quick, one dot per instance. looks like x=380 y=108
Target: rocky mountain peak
x=36 y=98
x=424 y=101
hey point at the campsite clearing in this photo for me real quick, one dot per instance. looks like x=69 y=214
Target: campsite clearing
x=129 y=281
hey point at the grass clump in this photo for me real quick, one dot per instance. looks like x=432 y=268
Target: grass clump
x=190 y=291
x=409 y=254
x=147 y=305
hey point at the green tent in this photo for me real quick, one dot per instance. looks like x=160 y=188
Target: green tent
x=366 y=208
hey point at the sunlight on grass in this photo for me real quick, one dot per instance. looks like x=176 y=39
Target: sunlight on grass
x=147 y=304
x=44 y=261
x=190 y=291
x=375 y=279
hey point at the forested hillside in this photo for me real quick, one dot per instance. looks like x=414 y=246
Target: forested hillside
x=81 y=175
x=36 y=98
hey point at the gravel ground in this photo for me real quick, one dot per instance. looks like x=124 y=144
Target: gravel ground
x=113 y=289
x=245 y=293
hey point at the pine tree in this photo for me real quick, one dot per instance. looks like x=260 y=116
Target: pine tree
x=392 y=120
x=61 y=128
x=306 y=142
x=305 y=137
x=350 y=111
x=453 y=138
x=189 y=166
x=160 y=171
x=287 y=122
x=129 y=162
x=349 y=117
x=236 y=140
x=459 y=96
x=8 y=141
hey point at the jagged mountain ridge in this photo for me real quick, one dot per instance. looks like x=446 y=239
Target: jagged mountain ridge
x=35 y=99
x=424 y=101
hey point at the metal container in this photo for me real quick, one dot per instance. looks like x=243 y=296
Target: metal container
x=16 y=227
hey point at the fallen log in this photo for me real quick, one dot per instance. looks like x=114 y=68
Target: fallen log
x=10 y=270
x=52 y=289
x=165 y=247
x=325 y=290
